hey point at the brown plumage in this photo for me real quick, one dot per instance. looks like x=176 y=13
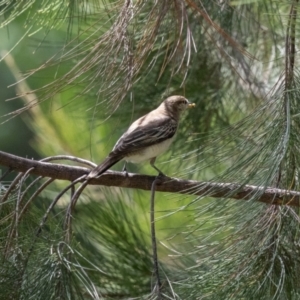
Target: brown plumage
x=147 y=137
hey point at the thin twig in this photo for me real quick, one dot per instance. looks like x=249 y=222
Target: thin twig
x=10 y=188
x=15 y=220
x=53 y=203
x=153 y=237
x=71 y=158
x=68 y=218
x=34 y=195
x=5 y=174
x=290 y=48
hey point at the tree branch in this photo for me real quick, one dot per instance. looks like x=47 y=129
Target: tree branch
x=136 y=181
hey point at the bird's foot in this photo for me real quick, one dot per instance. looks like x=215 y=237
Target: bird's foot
x=124 y=170
x=161 y=174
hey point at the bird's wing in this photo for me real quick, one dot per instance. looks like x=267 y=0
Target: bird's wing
x=145 y=135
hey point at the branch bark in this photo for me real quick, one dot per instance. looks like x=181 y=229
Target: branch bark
x=166 y=184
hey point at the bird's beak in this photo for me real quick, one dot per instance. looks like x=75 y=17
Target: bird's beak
x=190 y=105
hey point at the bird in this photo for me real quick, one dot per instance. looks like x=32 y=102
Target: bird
x=147 y=137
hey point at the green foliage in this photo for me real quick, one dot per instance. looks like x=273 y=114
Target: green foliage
x=101 y=64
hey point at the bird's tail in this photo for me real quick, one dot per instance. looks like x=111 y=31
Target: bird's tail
x=105 y=165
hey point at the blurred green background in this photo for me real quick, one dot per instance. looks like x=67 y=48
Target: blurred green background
x=94 y=67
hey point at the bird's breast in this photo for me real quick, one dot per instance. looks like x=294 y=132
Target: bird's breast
x=149 y=152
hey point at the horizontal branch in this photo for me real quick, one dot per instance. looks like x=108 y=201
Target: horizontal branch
x=173 y=185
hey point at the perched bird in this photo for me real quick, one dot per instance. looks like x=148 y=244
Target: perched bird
x=147 y=137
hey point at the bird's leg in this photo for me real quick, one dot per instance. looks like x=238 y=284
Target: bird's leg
x=125 y=168
x=152 y=161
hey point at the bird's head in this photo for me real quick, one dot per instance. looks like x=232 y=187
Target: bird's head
x=175 y=105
